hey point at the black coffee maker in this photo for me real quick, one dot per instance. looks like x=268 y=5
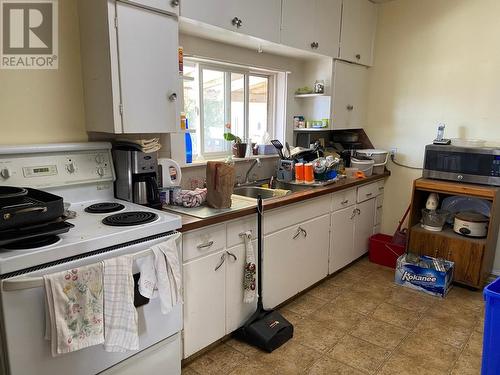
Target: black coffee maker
x=137 y=177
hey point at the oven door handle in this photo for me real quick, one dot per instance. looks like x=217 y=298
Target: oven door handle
x=23 y=283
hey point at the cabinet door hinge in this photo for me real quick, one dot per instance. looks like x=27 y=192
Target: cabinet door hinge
x=116 y=22
x=121 y=109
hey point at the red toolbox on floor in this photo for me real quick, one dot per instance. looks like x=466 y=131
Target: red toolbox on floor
x=382 y=251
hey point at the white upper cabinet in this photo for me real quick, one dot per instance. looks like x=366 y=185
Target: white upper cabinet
x=171 y=6
x=349 y=99
x=312 y=25
x=257 y=18
x=359 y=22
x=130 y=68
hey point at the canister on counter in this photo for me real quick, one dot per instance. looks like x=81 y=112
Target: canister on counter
x=308 y=173
x=299 y=172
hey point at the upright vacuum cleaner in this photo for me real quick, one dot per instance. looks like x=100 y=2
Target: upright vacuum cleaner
x=265 y=329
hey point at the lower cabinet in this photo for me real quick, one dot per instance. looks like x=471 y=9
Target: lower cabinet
x=237 y=312
x=341 y=239
x=204 y=302
x=294 y=258
x=363 y=226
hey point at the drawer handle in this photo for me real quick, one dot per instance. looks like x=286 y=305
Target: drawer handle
x=369 y=194
x=379 y=206
x=345 y=202
x=235 y=258
x=299 y=232
x=381 y=188
x=205 y=245
x=221 y=262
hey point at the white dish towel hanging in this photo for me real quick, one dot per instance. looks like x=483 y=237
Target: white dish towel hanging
x=161 y=274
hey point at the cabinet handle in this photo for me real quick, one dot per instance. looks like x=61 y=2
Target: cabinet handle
x=358 y=57
x=235 y=258
x=379 y=207
x=345 y=202
x=369 y=194
x=299 y=232
x=172 y=97
x=350 y=107
x=381 y=188
x=221 y=261
x=353 y=214
x=304 y=232
x=314 y=45
x=205 y=245
x=174 y=3
x=237 y=22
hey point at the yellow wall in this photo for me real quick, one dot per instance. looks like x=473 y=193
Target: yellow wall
x=435 y=61
x=46 y=106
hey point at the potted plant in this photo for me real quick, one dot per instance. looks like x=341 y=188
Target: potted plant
x=238 y=148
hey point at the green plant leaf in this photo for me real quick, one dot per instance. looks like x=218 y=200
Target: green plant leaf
x=231 y=137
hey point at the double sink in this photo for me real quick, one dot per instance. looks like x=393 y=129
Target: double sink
x=282 y=189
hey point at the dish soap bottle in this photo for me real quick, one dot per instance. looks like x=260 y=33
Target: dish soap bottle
x=188 y=142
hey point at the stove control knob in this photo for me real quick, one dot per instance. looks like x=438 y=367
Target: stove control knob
x=99 y=159
x=70 y=168
x=5 y=173
x=100 y=171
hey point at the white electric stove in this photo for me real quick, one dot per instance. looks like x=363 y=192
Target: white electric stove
x=83 y=174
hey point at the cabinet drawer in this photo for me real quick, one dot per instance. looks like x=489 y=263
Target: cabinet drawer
x=280 y=218
x=366 y=192
x=203 y=241
x=235 y=227
x=343 y=199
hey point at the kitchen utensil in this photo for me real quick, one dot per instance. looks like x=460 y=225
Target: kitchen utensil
x=434 y=220
x=171 y=172
x=380 y=157
x=10 y=194
x=33 y=207
x=457 y=203
x=289 y=154
x=279 y=147
x=265 y=329
x=18 y=234
x=471 y=224
x=299 y=172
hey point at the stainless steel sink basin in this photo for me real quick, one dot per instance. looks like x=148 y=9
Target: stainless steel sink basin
x=255 y=191
x=292 y=187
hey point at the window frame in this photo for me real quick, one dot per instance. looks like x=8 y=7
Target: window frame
x=228 y=69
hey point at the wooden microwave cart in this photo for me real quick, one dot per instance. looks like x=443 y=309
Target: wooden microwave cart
x=473 y=257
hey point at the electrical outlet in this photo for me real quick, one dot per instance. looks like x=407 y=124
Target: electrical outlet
x=393 y=152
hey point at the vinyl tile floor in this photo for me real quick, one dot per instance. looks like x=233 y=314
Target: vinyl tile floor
x=359 y=322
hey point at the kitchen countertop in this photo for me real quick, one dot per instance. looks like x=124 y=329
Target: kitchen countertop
x=191 y=222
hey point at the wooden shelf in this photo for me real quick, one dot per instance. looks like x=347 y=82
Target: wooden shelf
x=448 y=233
x=456 y=188
x=313 y=95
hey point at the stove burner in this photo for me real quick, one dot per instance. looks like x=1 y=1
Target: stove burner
x=130 y=218
x=32 y=243
x=104 y=208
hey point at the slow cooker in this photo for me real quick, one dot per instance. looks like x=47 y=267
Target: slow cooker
x=471 y=224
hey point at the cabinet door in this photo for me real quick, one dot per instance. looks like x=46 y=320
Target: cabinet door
x=259 y=18
x=171 y=6
x=341 y=239
x=147 y=45
x=359 y=22
x=204 y=302
x=237 y=312
x=327 y=22
x=363 y=226
x=350 y=96
x=211 y=12
x=294 y=259
x=297 y=22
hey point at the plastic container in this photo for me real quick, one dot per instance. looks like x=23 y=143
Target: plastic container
x=365 y=166
x=382 y=251
x=299 y=172
x=189 y=144
x=491 y=336
x=380 y=158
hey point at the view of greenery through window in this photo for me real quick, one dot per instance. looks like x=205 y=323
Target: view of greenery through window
x=215 y=97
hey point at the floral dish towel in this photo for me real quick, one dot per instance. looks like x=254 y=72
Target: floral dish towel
x=74 y=302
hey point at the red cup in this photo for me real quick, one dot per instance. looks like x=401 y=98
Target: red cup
x=308 y=173
x=299 y=172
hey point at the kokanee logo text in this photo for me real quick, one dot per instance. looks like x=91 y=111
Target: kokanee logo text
x=29 y=34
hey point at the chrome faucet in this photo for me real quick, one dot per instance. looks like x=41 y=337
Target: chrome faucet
x=257 y=163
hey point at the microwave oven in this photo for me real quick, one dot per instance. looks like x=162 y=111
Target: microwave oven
x=478 y=165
